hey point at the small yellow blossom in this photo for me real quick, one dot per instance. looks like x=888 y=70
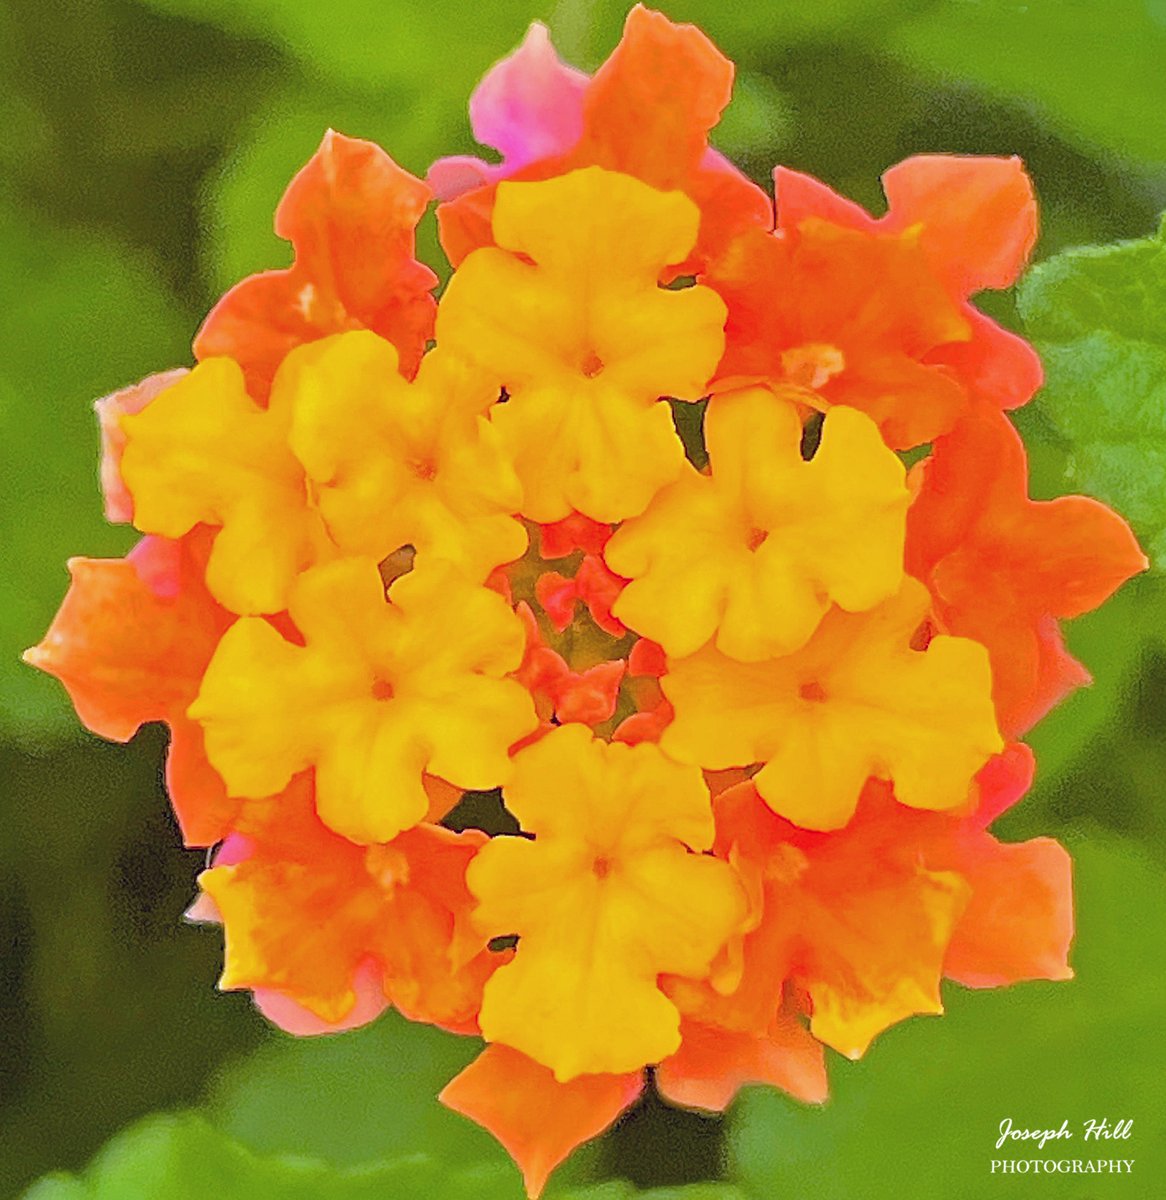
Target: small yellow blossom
x=857 y=701
x=203 y=452
x=607 y=896
x=393 y=462
x=756 y=551
x=568 y=315
x=380 y=693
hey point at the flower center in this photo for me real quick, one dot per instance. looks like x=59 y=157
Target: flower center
x=756 y=537
x=812 y=691
x=592 y=365
x=382 y=689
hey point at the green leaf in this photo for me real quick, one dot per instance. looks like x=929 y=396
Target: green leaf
x=83 y=315
x=1116 y=288
x=1093 y=70
x=919 y=1116
x=620 y=1189
x=1098 y=317
x=183 y=1158
x=360 y=1097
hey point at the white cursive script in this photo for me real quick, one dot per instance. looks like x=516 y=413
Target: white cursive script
x=1008 y=1133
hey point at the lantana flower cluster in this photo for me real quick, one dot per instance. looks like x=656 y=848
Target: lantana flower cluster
x=739 y=708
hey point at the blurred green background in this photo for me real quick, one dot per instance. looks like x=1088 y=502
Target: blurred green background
x=144 y=145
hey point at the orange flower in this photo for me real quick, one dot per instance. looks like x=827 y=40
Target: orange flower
x=867 y=920
x=636 y=120
x=304 y=910
x=874 y=314
x=1004 y=569
x=350 y=215
x=130 y=643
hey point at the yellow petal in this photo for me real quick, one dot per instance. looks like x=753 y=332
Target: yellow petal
x=581 y=445
x=596 y=225
x=203 y=452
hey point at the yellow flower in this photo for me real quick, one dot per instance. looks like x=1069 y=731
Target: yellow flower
x=756 y=551
x=606 y=897
x=567 y=314
x=379 y=693
x=203 y=452
x=857 y=701
x=396 y=463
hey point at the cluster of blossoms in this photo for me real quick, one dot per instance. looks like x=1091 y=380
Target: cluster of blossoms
x=743 y=716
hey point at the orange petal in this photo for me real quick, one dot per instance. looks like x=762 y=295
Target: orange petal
x=712 y=1064
x=644 y=726
x=997 y=366
x=638 y=121
x=465 y=223
x=119 y=504
x=971 y=223
x=1003 y=781
x=590 y=696
x=302 y=1022
x=635 y=114
x=127 y=649
x=799 y=197
x=350 y=214
x=572 y=533
x=537 y=1120
x=599 y=588
x=197 y=793
x=870 y=303
x=858 y=919
x=1019 y=922
x=130 y=643
x=977 y=215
